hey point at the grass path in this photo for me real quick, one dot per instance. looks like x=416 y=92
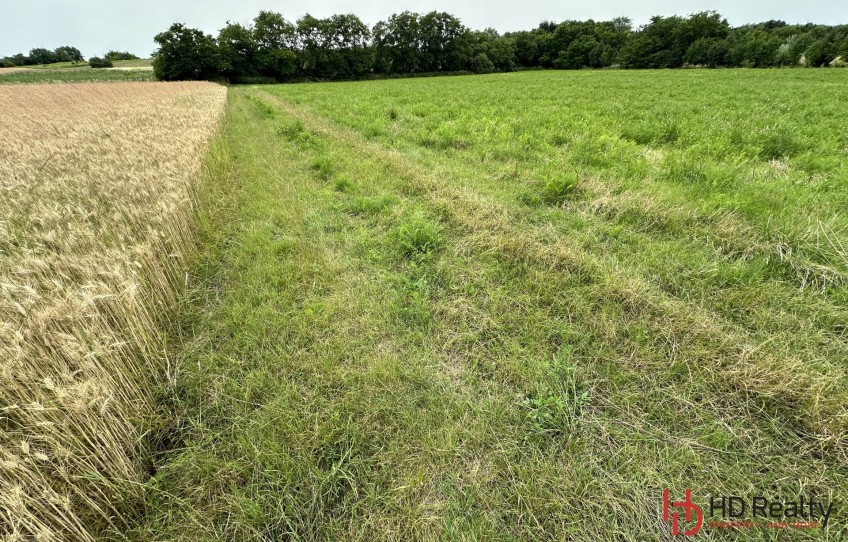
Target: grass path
x=384 y=345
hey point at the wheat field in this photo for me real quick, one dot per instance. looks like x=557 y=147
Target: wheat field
x=95 y=227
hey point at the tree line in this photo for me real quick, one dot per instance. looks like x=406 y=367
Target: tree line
x=40 y=55
x=343 y=47
x=272 y=48
x=65 y=53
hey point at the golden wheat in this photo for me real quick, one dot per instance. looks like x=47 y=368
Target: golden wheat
x=95 y=223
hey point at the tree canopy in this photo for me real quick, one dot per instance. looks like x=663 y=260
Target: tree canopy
x=187 y=53
x=343 y=47
x=40 y=55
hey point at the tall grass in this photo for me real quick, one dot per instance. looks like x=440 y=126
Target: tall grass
x=95 y=225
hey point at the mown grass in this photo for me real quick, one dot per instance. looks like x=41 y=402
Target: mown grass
x=437 y=309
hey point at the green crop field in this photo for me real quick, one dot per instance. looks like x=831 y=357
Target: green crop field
x=512 y=307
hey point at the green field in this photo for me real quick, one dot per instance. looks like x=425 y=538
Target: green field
x=135 y=63
x=512 y=307
x=80 y=72
x=74 y=75
x=58 y=65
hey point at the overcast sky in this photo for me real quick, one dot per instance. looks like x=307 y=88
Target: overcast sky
x=96 y=26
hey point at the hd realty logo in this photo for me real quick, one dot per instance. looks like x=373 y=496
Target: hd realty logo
x=692 y=511
x=686 y=518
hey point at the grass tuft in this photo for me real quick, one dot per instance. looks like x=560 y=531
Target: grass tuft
x=778 y=143
x=554 y=407
x=343 y=184
x=416 y=236
x=324 y=166
x=369 y=205
x=559 y=187
x=291 y=130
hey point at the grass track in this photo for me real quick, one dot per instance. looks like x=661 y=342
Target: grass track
x=393 y=338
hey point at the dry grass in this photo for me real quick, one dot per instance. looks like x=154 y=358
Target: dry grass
x=95 y=223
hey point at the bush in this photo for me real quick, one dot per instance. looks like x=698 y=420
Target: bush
x=97 y=62
x=482 y=64
x=120 y=55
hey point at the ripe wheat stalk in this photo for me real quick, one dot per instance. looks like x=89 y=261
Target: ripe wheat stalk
x=96 y=214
